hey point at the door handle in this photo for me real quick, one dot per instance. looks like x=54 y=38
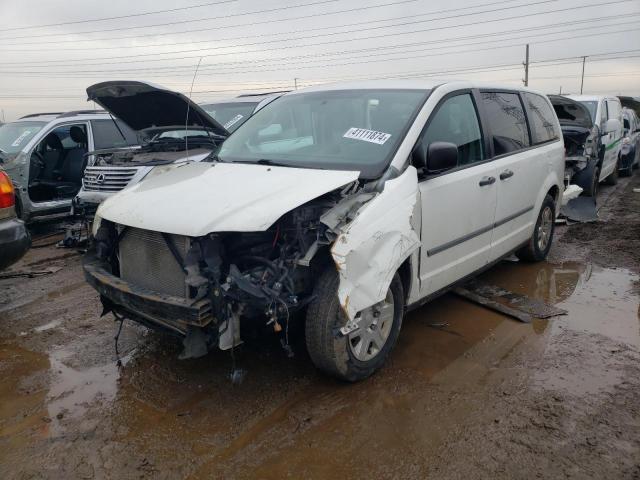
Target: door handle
x=506 y=174
x=487 y=181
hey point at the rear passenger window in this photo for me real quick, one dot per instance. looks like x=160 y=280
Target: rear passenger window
x=106 y=134
x=456 y=121
x=506 y=121
x=541 y=119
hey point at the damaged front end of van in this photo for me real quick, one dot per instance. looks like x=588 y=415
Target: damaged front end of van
x=253 y=258
x=302 y=215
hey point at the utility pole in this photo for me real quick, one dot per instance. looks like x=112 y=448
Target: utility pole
x=295 y=83
x=584 y=59
x=560 y=90
x=526 y=67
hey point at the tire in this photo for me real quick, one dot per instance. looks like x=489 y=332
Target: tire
x=334 y=353
x=18 y=207
x=613 y=178
x=588 y=179
x=537 y=250
x=627 y=172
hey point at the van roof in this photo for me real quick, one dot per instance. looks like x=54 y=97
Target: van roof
x=408 y=84
x=592 y=98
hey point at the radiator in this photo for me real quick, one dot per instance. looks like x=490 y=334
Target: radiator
x=146 y=261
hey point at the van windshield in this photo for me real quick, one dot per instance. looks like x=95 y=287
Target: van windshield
x=333 y=130
x=14 y=136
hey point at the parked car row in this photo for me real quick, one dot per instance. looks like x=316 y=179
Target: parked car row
x=338 y=207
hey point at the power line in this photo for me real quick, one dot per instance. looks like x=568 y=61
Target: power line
x=378 y=57
x=302 y=37
x=368 y=22
x=219 y=27
x=218 y=17
x=137 y=56
x=103 y=19
x=478 y=69
x=218 y=66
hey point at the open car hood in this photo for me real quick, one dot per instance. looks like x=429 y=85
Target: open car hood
x=571 y=112
x=144 y=105
x=200 y=198
x=631 y=103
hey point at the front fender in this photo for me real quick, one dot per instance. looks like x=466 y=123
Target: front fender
x=370 y=249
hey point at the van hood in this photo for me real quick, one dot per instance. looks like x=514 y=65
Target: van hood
x=144 y=105
x=195 y=199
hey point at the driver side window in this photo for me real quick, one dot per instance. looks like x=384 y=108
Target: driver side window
x=456 y=121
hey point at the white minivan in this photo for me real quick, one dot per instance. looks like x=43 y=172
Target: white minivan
x=606 y=113
x=340 y=207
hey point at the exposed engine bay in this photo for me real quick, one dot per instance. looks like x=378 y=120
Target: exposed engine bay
x=266 y=276
x=581 y=147
x=160 y=151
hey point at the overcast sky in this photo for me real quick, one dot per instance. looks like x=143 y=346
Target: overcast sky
x=258 y=45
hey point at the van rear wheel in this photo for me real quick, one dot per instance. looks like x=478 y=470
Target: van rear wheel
x=357 y=354
x=539 y=244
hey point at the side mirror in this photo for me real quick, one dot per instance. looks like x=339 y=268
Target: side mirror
x=419 y=157
x=441 y=156
x=611 y=125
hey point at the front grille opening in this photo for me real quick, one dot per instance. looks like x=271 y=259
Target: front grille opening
x=146 y=261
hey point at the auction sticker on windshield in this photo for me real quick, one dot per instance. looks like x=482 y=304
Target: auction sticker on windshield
x=367 y=135
x=18 y=141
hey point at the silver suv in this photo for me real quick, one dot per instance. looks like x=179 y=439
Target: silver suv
x=45 y=155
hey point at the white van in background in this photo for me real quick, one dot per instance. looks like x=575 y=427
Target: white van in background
x=606 y=112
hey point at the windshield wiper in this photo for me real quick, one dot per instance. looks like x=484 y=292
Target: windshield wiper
x=266 y=161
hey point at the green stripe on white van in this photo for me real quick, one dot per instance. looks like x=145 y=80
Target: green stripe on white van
x=611 y=145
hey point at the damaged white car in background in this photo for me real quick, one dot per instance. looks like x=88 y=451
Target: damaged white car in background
x=338 y=207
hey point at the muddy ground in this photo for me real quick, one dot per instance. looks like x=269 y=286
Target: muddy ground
x=467 y=393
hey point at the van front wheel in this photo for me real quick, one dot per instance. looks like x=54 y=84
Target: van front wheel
x=539 y=244
x=613 y=178
x=357 y=354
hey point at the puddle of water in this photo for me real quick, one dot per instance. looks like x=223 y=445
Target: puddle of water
x=605 y=309
x=392 y=413
x=606 y=305
x=286 y=418
x=73 y=391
